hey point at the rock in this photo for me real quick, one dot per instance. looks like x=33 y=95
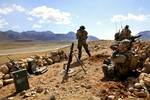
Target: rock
x=4 y=69
x=140 y=94
x=111 y=97
x=22 y=93
x=39 y=89
x=46 y=91
x=88 y=87
x=1 y=83
x=8 y=81
x=77 y=87
x=54 y=53
x=1 y=75
x=56 y=58
x=138 y=85
x=49 y=61
x=83 y=85
x=93 y=98
x=9 y=65
x=40 y=62
x=29 y=59
x=27 y=95
x=45 y=63
x=37 y=56
x=101 y=92
x=52 y=97
x=7 y=76
x=145 y=78
x=11 y=98
x=33 y=93
x=131 y=89
x=24 y=65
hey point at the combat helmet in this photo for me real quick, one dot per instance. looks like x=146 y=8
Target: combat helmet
x=127 y=26
x=82 y=27
x=125 y=43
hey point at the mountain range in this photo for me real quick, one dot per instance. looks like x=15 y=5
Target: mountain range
x=145 y=35
x=39 y=36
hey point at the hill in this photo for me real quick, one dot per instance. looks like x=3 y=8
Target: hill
x=145 y=35
x=40 y=36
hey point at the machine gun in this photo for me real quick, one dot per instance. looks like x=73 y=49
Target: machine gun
x=134 y=37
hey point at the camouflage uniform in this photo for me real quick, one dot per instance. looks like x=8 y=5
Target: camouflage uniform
x=120 y=63
x=125 y=33
x=119 y=36
x=82 y=37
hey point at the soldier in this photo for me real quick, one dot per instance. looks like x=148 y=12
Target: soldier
x=119 y=36
x=118 y=66
x=125 y=33
x=81 y=35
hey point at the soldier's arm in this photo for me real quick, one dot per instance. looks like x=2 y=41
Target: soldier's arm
x=77 y=34
x=86 y=34
x=119 y=58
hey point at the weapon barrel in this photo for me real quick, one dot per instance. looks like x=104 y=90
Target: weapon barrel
x=68 y=64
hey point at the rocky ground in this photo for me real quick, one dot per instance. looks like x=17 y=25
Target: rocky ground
x=79 y=86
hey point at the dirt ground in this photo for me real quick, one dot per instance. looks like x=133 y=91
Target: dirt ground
x=17 y=50
x=79 y=86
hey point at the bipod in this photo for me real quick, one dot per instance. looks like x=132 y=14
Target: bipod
x=65 y=77
x=81 y=63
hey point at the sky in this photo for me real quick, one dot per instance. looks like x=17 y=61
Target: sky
x=102 y=18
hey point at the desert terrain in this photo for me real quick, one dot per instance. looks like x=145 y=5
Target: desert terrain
x=17 y=50
x=80 y=85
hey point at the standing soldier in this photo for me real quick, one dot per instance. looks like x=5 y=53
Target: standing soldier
x=82 y=36
x=119 y=36
x=125 y=33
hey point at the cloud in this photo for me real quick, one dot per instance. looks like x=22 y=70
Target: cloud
x=16 y=27
x=41 y=22
x=3 y=23
x=30 y=18
x=119 y=18
x=6 y=10
x=37 y=26
x=98 y=22
x=51 y=15
x=18 y=8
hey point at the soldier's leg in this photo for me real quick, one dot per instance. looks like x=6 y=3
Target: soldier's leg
x=79 y=50
x=108 y=71
x=105 y=70
x=85 y=45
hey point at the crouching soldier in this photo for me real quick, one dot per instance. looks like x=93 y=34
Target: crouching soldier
x=118 y=66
